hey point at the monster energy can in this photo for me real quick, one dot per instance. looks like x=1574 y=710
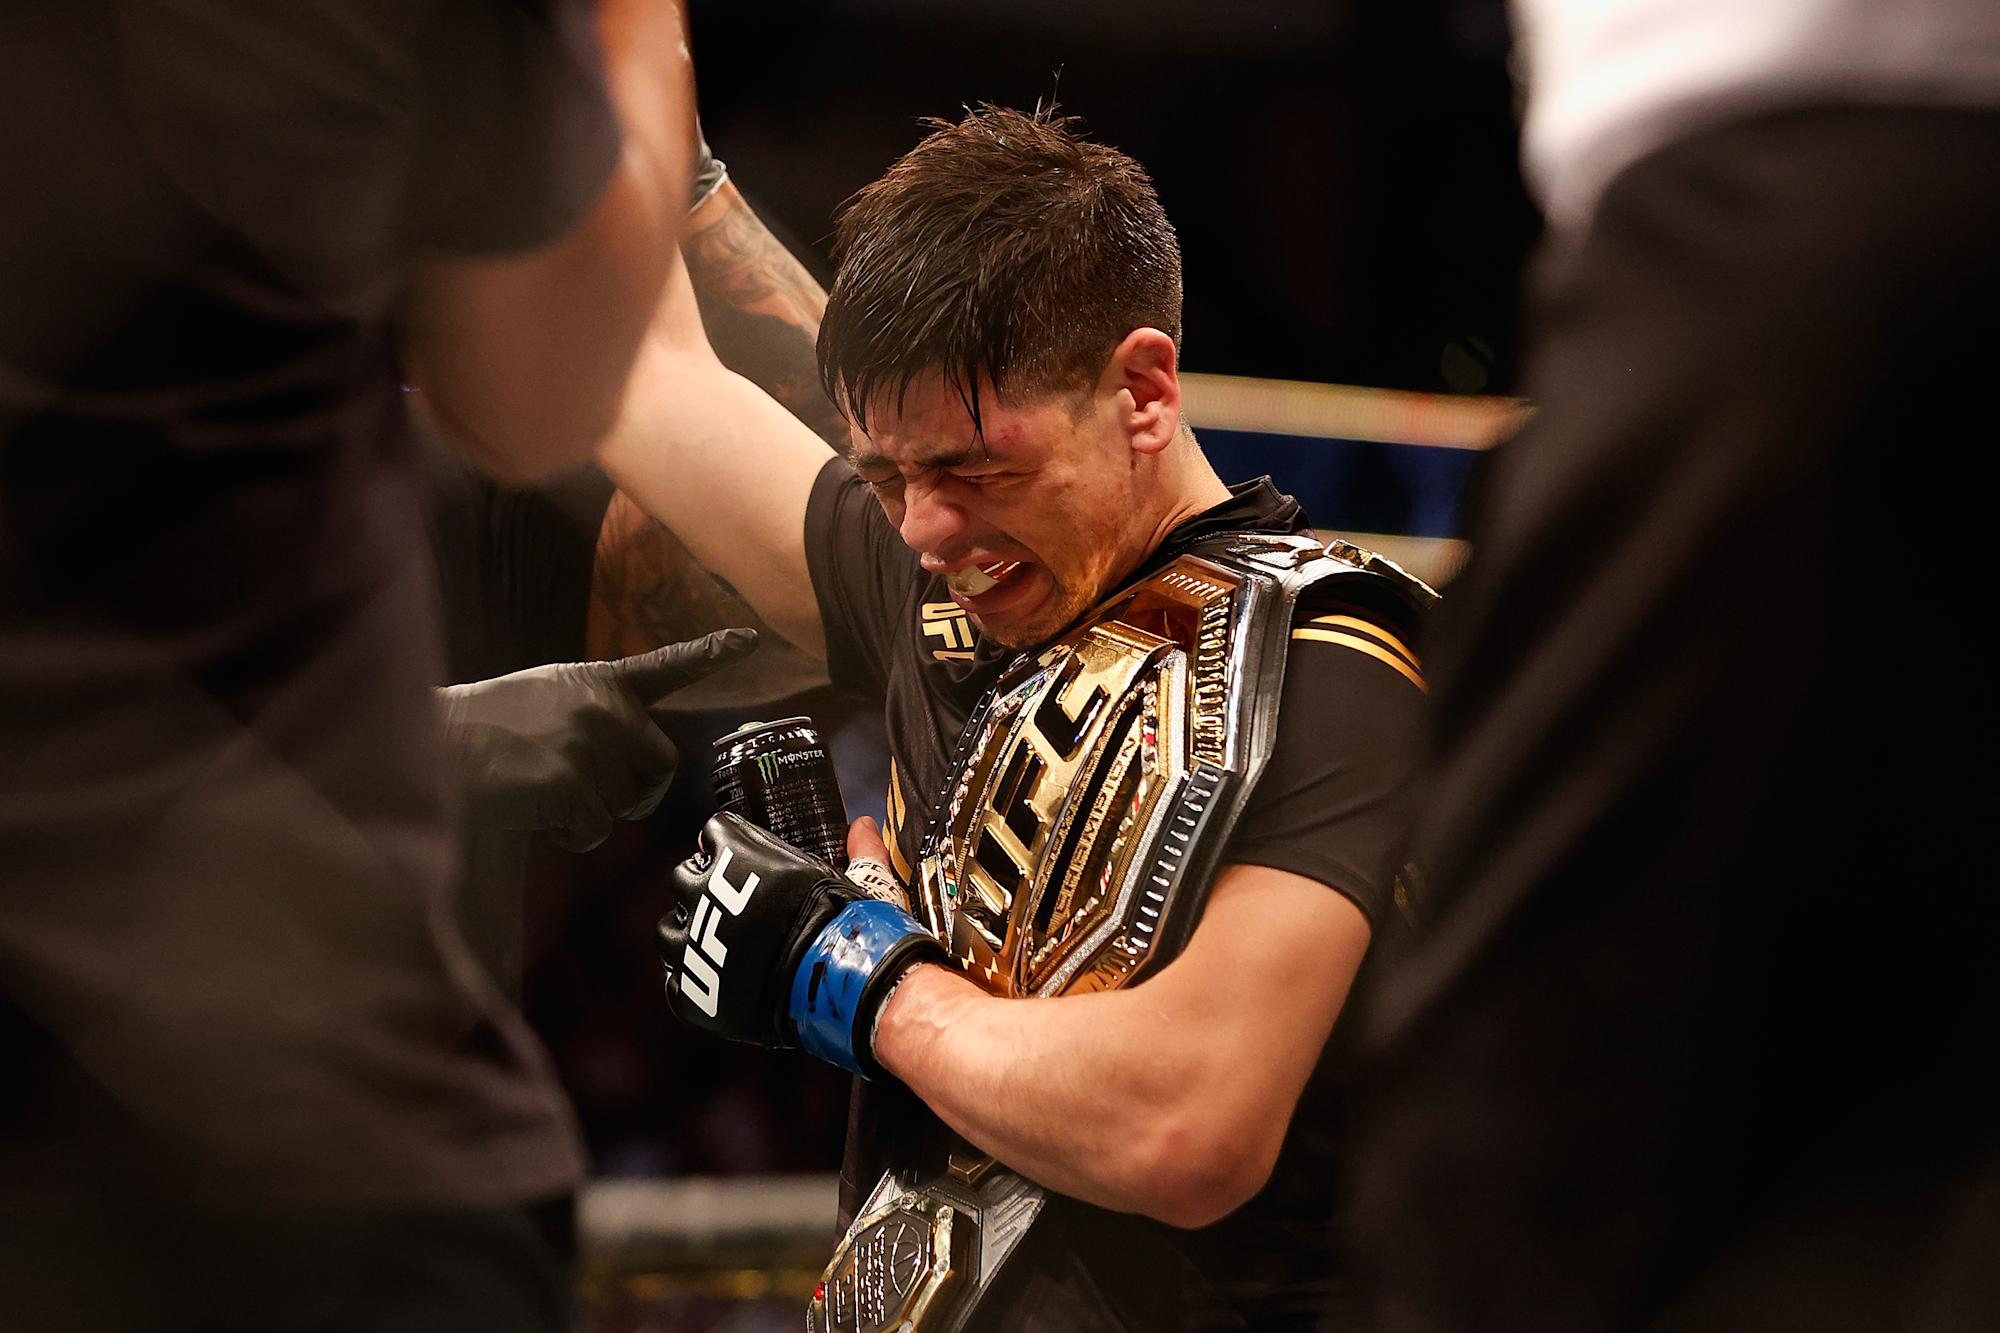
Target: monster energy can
x=779 y=775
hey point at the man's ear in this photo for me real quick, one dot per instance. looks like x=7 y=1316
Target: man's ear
x=1143 y=376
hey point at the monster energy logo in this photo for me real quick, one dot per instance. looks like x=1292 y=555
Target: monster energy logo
x=767 y=767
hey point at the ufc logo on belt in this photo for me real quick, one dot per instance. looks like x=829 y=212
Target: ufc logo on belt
x=702 y=959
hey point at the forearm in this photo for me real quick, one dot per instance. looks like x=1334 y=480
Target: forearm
x=760 y=306
x=1169 y=1098
x=1120 y=1099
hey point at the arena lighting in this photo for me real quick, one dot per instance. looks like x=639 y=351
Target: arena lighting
x=1348 y=412
x=1380 y=467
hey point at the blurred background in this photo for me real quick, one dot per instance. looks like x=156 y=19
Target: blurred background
x=1344 y=181
x=1342 y=173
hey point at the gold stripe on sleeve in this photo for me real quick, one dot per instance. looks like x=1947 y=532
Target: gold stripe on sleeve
x=1373 y=631
x=1360 y=645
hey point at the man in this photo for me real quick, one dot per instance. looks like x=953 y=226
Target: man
x=1694 y=1042
x=1003 y=334
x=255 y=1079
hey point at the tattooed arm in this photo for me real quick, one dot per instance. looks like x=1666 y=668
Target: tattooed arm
x=760 y=306
x=646 y=591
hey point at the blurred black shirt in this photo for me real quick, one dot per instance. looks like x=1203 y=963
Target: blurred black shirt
x=228 y=969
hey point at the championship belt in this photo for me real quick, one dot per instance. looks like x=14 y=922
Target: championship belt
x=1073 y=849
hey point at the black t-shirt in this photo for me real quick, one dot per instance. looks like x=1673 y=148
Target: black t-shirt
x=1332 y=805
x=226 y=958
x=1700 y=1032
x=514 y=568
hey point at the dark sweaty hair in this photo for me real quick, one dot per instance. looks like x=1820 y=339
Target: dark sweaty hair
x=1004 y=250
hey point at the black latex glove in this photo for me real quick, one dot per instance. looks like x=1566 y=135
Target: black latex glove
x=769 y=945
x=568 y=747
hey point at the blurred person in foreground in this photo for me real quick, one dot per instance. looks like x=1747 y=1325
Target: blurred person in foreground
x=574 y=622
x=557 y=600
x=1003 y=335
x=1694 y=1040
x=255 y=1078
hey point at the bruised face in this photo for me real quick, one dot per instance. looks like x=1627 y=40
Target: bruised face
x=1032 y=525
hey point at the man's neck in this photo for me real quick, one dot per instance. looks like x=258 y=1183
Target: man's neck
x=1194 y=489
x=1190 y=488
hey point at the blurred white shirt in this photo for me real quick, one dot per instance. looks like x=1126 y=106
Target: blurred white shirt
x=1611 y=80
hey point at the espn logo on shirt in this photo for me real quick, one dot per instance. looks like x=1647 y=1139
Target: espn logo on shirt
x=702 y=959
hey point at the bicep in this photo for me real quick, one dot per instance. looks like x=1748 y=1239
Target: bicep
x=1270 y=966
x=722 y=464
x=1335 y=798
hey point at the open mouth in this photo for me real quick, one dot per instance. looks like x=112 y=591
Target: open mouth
x=978 y=580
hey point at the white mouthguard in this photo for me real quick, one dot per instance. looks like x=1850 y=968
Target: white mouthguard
x=972 y=581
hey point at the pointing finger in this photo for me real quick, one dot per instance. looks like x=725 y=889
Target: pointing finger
x=652 y=676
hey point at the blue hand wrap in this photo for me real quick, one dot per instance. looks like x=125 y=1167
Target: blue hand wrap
x=836 y=969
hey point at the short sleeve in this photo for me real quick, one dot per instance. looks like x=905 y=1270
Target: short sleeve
x=863 y=578
x=341 y=137
x=1335 y=800
x=519 y=132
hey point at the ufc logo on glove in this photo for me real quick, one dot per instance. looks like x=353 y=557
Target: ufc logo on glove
x=702 y=959
x=813 y=955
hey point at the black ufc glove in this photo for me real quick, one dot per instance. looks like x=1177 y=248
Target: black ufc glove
x=568 y=747
x=771 y=946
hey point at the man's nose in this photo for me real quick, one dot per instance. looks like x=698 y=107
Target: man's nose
x=932 y=524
